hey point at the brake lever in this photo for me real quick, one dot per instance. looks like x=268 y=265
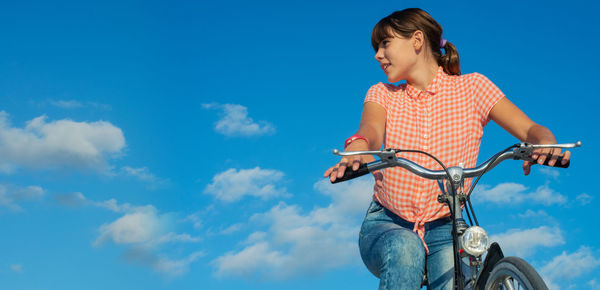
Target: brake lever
x=387 y=155
x=525 y=150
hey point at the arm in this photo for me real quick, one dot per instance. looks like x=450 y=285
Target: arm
x=372 y=127
x=513 y=120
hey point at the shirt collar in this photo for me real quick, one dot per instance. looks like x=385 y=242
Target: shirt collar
x=433 y=88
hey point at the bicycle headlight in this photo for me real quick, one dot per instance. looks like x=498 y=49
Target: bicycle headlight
x=475 y=241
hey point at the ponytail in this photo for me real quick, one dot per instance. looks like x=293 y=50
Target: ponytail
x=450 y=60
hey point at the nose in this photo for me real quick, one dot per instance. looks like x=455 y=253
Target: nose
x=379 y=55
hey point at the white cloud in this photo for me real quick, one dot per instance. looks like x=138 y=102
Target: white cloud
x=522 y=243
x=140 y=226
x=232 y=185
x=565 y=267
x=18 y=268
x=297 y=244
x=143 y=231
x=584 y=198
x=235 y=121
x=62 y=143
x=11 y=195
x=258 y=257
x=510 y=193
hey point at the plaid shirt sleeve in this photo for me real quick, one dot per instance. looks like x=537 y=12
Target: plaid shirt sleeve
x=486 y=95
x=378 y=94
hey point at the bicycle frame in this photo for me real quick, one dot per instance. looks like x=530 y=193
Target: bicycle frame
x=454 y=197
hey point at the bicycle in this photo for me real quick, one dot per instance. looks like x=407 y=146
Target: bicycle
x=470 y=241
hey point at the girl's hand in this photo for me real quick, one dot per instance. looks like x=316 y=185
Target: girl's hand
x=349 y=162
x=542 y=154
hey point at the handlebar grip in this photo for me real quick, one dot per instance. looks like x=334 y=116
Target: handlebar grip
x=558 y=162
x=350 y=174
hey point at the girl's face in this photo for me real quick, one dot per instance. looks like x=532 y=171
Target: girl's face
x=397 y=57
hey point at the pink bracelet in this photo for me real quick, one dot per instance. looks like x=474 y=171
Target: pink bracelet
x=354 y=138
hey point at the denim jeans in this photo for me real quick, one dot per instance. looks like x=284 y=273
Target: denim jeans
x=395 y=254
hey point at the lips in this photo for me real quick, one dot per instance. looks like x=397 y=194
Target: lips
x=385 y=66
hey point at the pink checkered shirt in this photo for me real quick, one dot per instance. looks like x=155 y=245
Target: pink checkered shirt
x=447 y=121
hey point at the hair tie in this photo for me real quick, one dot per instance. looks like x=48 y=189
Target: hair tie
x=442 y=42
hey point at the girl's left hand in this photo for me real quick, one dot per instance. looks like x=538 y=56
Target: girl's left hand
x=542 y=154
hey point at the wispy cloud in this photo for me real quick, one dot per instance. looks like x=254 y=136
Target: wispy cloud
x=143 y=174
x=11 y=195
x=524 y=242
x=17 y=268
x=71 y=199
x=584 y=199
x=160 y=263
x=231 y=229
x=550 y=171
x=235 y=122
x=63 y=143
x=195 y=219
x=233 y=184
x=296 y=244
x=534 y=214
x=73 y=104
x=568 y=266
x=511 y=193
x=70 y=104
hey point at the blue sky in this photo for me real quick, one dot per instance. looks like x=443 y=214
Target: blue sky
x=180 y=145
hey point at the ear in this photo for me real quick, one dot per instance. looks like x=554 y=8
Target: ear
x=418 y=39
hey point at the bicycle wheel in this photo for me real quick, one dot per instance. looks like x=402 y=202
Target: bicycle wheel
x=514 y=273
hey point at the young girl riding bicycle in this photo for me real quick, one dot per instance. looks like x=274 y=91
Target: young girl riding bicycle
x=406 y=231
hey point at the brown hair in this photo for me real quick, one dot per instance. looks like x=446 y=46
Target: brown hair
x=404 y=23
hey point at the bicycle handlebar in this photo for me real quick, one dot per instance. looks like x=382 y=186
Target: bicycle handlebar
x=388 y=157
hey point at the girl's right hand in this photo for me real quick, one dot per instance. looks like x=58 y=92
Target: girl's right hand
x=346 y=163
x=349 y=162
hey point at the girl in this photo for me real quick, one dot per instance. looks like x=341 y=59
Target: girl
x=438 y=110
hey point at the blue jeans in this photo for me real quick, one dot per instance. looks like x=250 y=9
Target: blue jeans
x=395 y=254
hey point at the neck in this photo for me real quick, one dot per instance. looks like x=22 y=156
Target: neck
x=423 y=75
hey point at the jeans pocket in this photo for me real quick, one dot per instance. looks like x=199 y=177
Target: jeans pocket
x=374 y=207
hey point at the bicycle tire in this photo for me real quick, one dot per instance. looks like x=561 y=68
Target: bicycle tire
x=513 y=270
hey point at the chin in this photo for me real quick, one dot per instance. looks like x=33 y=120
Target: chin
x=393 y=80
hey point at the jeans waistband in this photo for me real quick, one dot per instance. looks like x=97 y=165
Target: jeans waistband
x=427 y=225
x=436 y=223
